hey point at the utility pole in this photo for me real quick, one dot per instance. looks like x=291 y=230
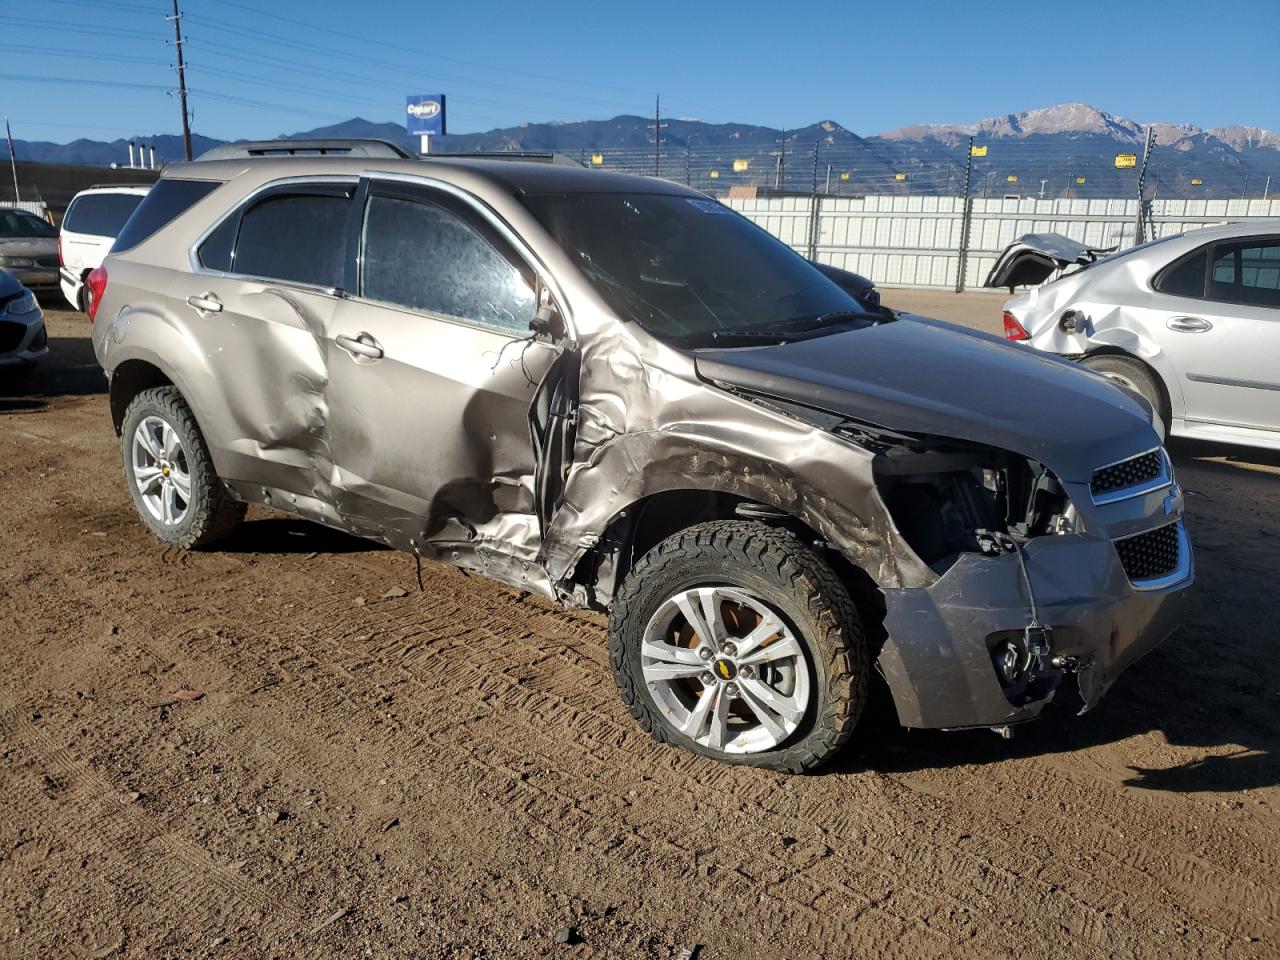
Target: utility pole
x=1043 y=182
x=1267 y=188
x=182 y=81
x=657 y=133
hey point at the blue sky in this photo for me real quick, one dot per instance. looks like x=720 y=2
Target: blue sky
x=100 y=69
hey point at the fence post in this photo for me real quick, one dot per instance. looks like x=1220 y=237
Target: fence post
x=962 y=264
x=1144 y=208
x=815 y=206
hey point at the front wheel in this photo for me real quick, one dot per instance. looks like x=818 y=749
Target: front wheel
x=170 y=474
x=734 y=640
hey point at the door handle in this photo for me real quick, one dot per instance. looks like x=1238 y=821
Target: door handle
x=1188 y=324
x=362 y=346
x=205 y=302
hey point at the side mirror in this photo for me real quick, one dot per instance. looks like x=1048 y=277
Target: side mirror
x=547 y=321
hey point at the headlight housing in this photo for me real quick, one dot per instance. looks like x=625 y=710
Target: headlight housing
x=25 y=302
x=941 y=497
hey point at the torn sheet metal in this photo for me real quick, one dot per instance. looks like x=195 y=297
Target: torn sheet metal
x=1033 y=258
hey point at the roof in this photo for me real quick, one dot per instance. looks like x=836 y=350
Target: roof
x=515 y=176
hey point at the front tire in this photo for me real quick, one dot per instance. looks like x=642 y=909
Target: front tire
x=734 y=640
x=170 y=474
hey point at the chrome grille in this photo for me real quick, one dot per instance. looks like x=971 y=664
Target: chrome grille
x=1128 y=473
x=1150 y=555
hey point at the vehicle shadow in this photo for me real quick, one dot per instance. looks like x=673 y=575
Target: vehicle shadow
x=69 y=370
x=293 y=535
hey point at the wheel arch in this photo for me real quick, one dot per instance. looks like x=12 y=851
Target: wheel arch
x=128 y=380
x=651 y=519
x=1172 y=396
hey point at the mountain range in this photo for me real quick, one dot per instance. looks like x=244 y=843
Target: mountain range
x=1064 y=149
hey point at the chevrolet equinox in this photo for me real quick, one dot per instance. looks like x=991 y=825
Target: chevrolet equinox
x=616 y=393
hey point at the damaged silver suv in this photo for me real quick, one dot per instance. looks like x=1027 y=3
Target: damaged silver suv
x=614 y=392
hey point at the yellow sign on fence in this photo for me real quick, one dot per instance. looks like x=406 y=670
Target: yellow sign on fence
x=844 y=176
x=740 y=165
x=1012 y=178
x=1126 y=160
x=1196 y=181
x=597 y=159
x=978 y=151
x=1079 y=179
x=899 y=176
x=714 y=174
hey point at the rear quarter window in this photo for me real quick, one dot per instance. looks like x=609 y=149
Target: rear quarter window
x=100 y=214
x=165 y=202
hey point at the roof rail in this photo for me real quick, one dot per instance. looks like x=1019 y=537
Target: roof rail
x=247 y=149
x=110 y=186
x=559 y=159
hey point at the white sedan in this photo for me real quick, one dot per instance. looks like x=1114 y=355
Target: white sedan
x=1191 y=322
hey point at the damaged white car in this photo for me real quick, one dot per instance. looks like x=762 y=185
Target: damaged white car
x=1191 y=322
x=619 y=394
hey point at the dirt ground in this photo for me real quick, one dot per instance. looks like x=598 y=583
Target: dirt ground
x=451 y=773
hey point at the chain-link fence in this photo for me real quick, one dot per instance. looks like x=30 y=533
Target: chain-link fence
x=1086 y=169
x=939 y=216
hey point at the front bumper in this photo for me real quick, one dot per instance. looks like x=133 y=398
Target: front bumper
x=937 y=658
x=42 y=277
x=23 y=339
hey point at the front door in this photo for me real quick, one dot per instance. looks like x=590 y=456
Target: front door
x=432 y=370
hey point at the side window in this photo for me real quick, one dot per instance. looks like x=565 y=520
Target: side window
x=215 y=252
x=100 y=214
x=419 y=254
x=1247 y=272
x=1185 y=278
x=299 y=237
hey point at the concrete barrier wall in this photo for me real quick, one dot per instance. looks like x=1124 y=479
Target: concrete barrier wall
x=915 y=241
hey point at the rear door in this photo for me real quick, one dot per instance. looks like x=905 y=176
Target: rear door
x=432 y=372
x=1222 y=331
x=266 y=285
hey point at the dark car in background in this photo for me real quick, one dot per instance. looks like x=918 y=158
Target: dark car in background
x=23 y=341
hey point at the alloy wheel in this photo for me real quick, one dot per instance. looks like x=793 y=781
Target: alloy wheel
x=161 y=471
x=726 y=670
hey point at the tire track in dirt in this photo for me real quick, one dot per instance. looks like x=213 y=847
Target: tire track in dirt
x=181 y=878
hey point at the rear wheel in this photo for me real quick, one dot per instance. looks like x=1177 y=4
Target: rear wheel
x=170 y=475
x=1136 y=376
x=736 y=641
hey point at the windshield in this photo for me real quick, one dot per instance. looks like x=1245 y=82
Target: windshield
x=18 y=223
x=690 y=270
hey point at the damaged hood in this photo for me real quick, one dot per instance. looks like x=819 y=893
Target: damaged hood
x=1030 y=259
x=926 y=377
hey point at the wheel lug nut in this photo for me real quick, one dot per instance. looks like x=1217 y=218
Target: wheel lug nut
x=747 y=672
x=731 y=690
x=730 y=650
x=708 y=678
x=705 y=653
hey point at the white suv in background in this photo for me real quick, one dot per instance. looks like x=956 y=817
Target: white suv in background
x=89 y=227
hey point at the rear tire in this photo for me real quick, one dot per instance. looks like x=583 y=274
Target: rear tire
x=1136 y=376
x=170 y=475
x=766 y=708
